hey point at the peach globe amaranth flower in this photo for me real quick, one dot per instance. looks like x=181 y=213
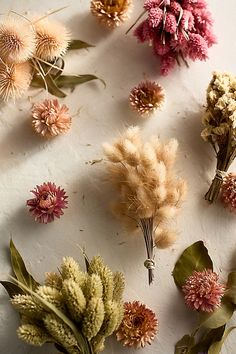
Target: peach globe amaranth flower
x=48 y=202
x=228 y=192
x=50 y=118
x=202 y=291
x=138 y=327
x=111 y=13
x=52 y=39
x=146 y=97
x=14 y=80
x=17 y=40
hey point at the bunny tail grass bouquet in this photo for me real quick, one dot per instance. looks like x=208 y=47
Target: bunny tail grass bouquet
x=148 y=192
x=220 y=126
x=73 y=309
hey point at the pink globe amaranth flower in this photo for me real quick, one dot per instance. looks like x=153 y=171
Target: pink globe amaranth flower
x=203 y=18
x=143 y=32
x=170 y=23
x=168 y=63
x=187 y=21
x=197 y=47
x=149 y=4
x=155 y=16
x=161 y=48
x=175 y=8
x=202 y=291
x=48 y=203
x=178 y=43
x=228 y=192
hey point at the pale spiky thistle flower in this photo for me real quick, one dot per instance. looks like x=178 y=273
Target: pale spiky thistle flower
x=138 y=327
x=111 y=13
x=203 y=291
x=50 y=118
x=17 y=40
x=14 y=80
x=52 y=39
x=146 y=97
x=148 y=192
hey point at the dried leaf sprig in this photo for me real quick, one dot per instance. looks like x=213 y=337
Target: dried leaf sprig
x=220 y=126
x=212 y=299
x=74 y=309
x=149 y=194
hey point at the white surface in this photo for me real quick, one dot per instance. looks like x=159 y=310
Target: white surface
x=27 y=160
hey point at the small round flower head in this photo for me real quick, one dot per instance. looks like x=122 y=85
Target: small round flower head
x=14 y=80
x=50 y=118
x=138 y=327
x=228 y=192
x=146 y=97
x=17 y=40
x=111 y=13
x=48 y=203
x=202 y=291
x=52 y=39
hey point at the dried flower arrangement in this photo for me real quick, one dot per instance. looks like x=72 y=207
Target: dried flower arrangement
x=147 y=97
x=205 y=294
x=73 y=309
x=220 y=128
x=31 y=54
x=111 y=13
x=176 y=30
x=149 y=193
x=48 y=202
x=138 y=327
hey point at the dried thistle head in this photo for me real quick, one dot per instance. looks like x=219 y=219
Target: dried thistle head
x=14 y=80
x=52 y=39
x=146 y=97
x=17 y=40
x=111 y=13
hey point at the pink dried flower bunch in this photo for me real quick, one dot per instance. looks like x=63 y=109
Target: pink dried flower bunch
x=202 y=291
x=177 y=30
x=48 y=202
x=228 y=192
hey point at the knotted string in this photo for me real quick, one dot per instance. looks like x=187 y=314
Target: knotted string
x=149 y=264
x=220 y=175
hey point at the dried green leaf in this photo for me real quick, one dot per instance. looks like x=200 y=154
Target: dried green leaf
x=207 y=339
x=184 y=345
x=60 y=348
x=70 y=81
x=12 y=288
x=231 y=287
x=219 y=317
x=195 y=257
x=38 y=82
x=20 y=270
x=77 y=44
x=216 y=347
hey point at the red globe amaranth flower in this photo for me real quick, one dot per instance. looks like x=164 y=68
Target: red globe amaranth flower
x=228 y=192
x=48 y=202
x=177 y=30
x=138 y=327
x=202 y=291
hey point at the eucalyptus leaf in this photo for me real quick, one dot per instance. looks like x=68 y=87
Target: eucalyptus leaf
x=77 y=44
x=12 y=288
x=195 y=257
x=20 y=270
x=219 y=317
x=53 y=87
x=207 y=339
x=231 y=287
x=70 y=81
x=216 y=347
x=184 y=345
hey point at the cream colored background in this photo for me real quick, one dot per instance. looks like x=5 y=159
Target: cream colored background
x=27 y=160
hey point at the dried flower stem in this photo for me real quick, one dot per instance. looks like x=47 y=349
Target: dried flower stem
x=146 y=226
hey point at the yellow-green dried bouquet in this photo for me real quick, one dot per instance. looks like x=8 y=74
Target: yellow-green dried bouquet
x=74 y=309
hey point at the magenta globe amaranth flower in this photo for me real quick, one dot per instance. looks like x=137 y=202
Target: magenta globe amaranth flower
x=203 y=291
x=228 y=192
x=48 y=203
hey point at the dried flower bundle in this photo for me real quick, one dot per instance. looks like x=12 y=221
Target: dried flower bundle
x=138 y=327
x=213 y=301
x=228 y=192
x=177 y=30
x=48 y=202
x=220 y=126
x=38 y=45
x=50 y=118
x=149 y=193
x=146 y=97
x=75 y=309
x=111 y=13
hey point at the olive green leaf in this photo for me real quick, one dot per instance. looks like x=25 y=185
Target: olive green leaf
x=207 y=339
x=49 y=83
x=70 y=81
x=216 y=347
x=195 y=257
x=20 y=270
x=184 y=345
x=231 y=287
x=77 y=44
x=219 y=317
x=11 y=288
